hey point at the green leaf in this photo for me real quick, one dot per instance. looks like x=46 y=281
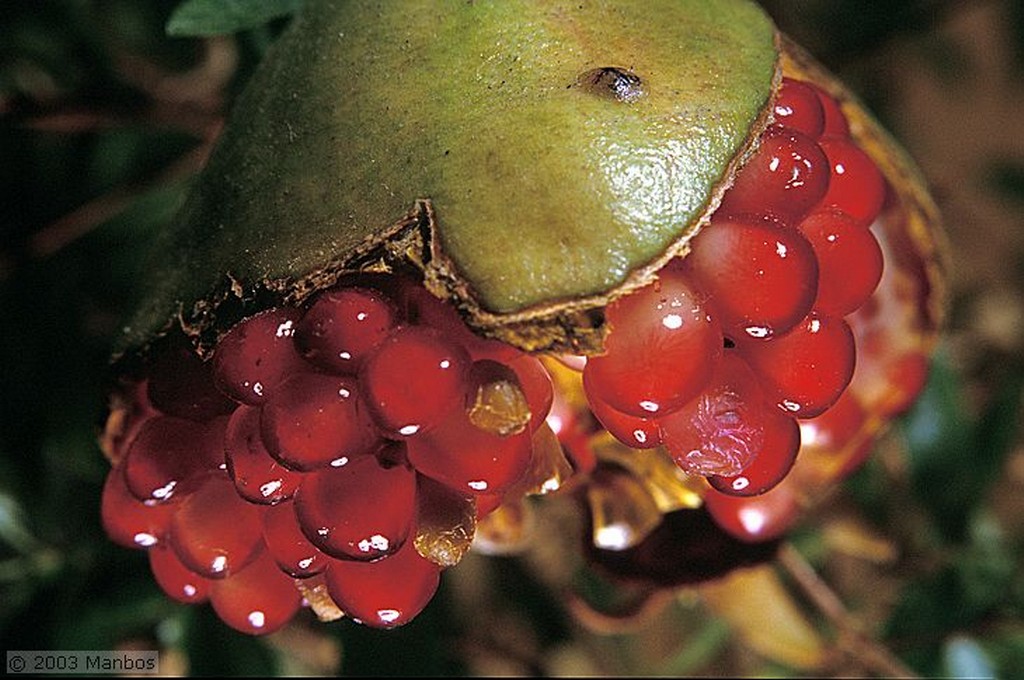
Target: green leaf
x=218 y=17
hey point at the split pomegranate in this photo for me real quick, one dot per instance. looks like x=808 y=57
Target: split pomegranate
x=355 y=435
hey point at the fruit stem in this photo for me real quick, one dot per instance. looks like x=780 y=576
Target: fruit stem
x=871 y=653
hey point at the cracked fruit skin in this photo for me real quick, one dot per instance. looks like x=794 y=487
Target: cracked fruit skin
x=602 y=179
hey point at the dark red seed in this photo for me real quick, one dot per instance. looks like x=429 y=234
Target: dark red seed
x=175 y=579
x=798 y=107
x=313 y=420
x=856 y=186
x=386 y=593
x=181 y=385
x=754 y=519
x=413 y=378
x=343 y=325
x=633 y=431
x=214 y=532
x=258 y=477
x=358 y=511
x=785 y=178
x=128 y=521
x=662 y=346
x=257 y=354
x=835 y=120
x=466 y=458
x=537 y=386
x=288 y=545
x=849 y=261
x=806 y=371
x=761 y=276
x=257 y=600
x=170 y=453
x=721 y=430
x=774 y=460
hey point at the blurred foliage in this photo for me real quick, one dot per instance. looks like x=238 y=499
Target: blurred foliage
x=104 y=120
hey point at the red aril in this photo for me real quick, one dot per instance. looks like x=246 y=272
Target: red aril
x=128 y=521
x=798 y=107
x=721 y=430
x=856 y=186
x=835 y=120
x=257 y=600
x=181 y=385
x=170 y=453
x=633 y=431
x=806 y=370
x=537 y=386
x=288 y=545
x=214 y=532
x=314 y=420
x=258 y=477
x=662 y=345
x=754 y=519
x=849 y=261
x=343 y=325
x=412 y=378
x=257 y=354
x=386 y=593
x=175 y=579
x=359 y=511
x=761 y=276
x=773 y=462
x=784 y=179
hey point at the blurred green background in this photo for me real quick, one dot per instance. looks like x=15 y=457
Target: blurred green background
x=104 y=120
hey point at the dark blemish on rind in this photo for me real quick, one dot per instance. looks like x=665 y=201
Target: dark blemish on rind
x=612 y=82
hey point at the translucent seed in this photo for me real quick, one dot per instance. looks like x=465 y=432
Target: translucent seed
x=798 y=107
x=495 y=401
x=721 y=431
x=258 y=477
x=313 y=421
x=288 y=545
x=856 y=186
x=835 y=120
x=755 y=519
x=662 y=345
x=257 y=354
x=175 y=579
x=849 y=261
x=343 y=325
x=359 y=511
x=214 y=532
x=170 y=454
x=181 y=385
x=774 y=460
x=445 y=522
x=387 y=593
x=128 y=521
x=257 y=600
x=413 y=378
x=634 y=431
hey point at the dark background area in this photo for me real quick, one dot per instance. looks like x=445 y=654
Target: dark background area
x=104 y=120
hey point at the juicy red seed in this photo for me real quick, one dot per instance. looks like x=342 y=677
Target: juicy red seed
x=288 y=545
x=798 y=107
x=754 y=519
x=386 y=593
x=856 y=187
x=358 y=511
x=170 y=453
x=128 y=521
x=721 y=430
x=835 y=120
x=258 y=477
x=343 y=325
x=537 y=386
x=836 y=427
x=413 y=378
x=662 y=345
x=175 y=579
x=256 y=355
x=181 y=385
x=313 y=420
x=466 y=458
x=774 y=460
x=214 y=532
x=257 y=600
x=761 y=276
x=785 y=178
x=806 y=370
x=633 y=431
x=849 y=261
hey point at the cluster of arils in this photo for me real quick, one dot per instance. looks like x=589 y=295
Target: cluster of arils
x=342 y=452
x=735 y=344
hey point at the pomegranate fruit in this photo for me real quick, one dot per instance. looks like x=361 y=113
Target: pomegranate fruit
x=384 y=345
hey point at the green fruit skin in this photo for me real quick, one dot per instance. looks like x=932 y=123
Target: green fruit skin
x=544 y=190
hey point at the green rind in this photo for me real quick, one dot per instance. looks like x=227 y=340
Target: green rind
x=543 y=191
